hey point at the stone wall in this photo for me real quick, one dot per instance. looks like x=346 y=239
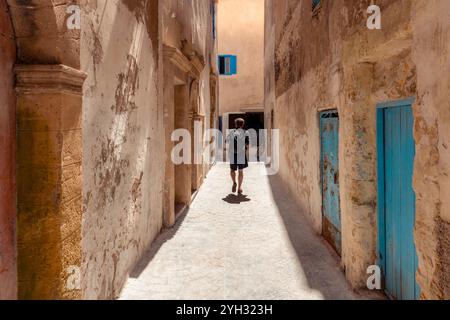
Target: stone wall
x=329 y=59
x=8 y=267
x=241 y=33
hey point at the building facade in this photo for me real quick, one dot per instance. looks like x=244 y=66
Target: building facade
x=95 y=103
x=241 y=36
x=363 y=114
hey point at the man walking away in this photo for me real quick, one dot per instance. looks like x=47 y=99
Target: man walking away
x=238 y=140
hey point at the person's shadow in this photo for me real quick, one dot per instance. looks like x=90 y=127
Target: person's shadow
x=236 y=199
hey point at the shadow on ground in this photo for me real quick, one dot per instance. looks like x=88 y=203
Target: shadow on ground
x=319 y=261
x=165 y=235
x=236 y=199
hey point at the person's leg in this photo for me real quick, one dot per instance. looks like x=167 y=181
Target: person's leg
x=233 y=177
x=241 y=180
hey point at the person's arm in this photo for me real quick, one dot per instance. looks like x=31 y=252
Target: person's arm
x=247 y=139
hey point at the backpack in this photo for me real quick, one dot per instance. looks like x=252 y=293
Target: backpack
x=236 y=141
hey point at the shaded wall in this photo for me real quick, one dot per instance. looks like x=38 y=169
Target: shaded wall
x=8 y=267
x=241 y=33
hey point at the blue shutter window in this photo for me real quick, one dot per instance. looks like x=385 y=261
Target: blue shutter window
x=227 y=65
x=233 y=64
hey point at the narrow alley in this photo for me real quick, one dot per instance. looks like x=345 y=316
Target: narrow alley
x=238 y=247
x=122 y=124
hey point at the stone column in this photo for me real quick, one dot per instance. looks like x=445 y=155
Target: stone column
x=358 y=169
x=197 y=150
x=49 y=181
x=169 y=126
x=182 y=171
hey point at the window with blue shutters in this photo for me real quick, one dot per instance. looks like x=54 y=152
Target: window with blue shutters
x=227 y=65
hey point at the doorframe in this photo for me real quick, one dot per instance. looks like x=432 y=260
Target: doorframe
x=381 y=210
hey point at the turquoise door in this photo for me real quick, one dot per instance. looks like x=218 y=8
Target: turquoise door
x=329 y=136
x=396 y=151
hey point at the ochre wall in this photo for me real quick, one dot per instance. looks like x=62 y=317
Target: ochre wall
x=8 y=267
x=241 y=33
x=48 y=88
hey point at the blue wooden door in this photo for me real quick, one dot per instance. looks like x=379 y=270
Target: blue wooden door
x=329 y=129
x=396 y=151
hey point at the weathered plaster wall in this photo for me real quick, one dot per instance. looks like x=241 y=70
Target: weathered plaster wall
x=330 y=60
x=187 y=25
x=123 y=128
x=431 y=54
x=8 y=266
x=241 y=33
x=123 y=140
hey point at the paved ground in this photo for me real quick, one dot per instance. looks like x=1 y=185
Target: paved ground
x=228 y=247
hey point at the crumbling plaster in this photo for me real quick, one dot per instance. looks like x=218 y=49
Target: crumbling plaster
x=123 y=122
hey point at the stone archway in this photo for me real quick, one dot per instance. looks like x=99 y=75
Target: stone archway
x=42 y=35
x=49 y=150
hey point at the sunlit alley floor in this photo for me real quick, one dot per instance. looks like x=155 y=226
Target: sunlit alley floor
x=254 y=247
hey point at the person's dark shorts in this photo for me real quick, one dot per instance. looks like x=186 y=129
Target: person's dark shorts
x=235 y=166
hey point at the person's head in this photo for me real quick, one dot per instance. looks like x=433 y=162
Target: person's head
x=239 y=122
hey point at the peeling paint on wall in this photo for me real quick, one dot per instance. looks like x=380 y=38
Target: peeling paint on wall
x=122 y=199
